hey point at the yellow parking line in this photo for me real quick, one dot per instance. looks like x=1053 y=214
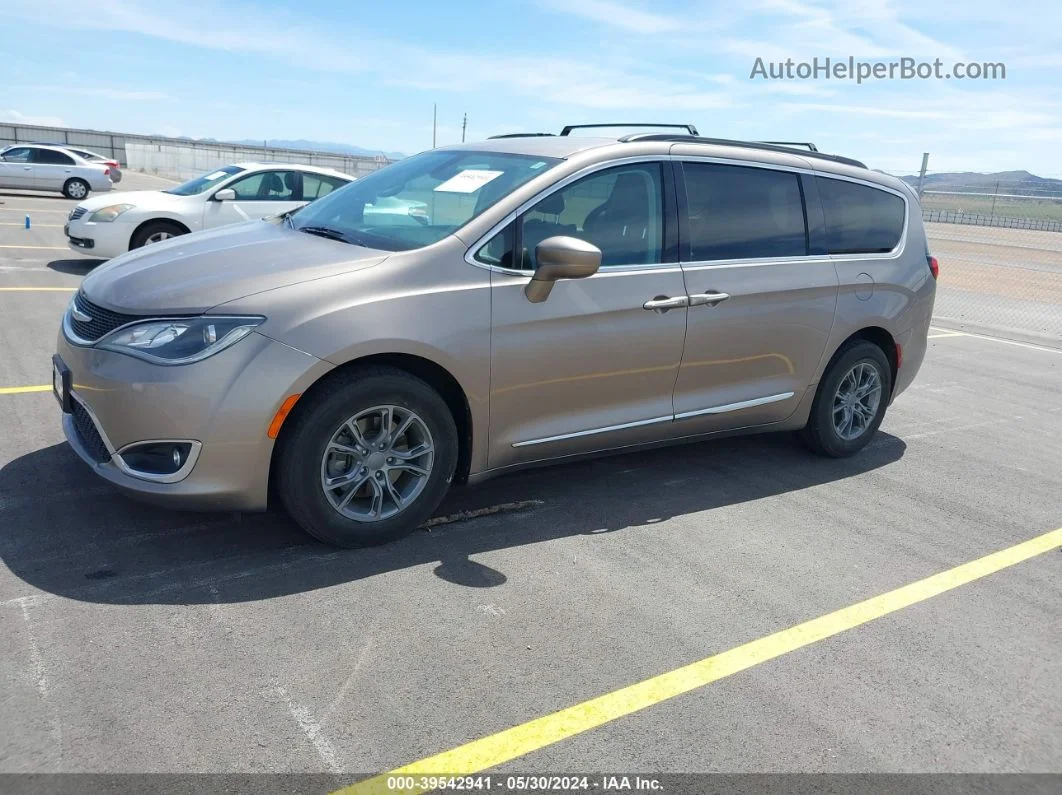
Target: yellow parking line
x=18 y=390
x=47 y=248
x=30 y=209
x=504 y=746
x=942 y=336
x=36 y=289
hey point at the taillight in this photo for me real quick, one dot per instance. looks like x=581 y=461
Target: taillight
x=112 y=163
x=934 y=266
x=106 y=172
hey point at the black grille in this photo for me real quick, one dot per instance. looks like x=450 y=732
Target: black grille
x=87 y=433
x=103 y=320
x=77 y=212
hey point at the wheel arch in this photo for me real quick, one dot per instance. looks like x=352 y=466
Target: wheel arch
x=435 y=375
x=156 y=220
x=878 y=336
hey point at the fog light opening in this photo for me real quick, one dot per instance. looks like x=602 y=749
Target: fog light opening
x=156 y=458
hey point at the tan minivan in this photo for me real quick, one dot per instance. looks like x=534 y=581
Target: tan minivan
x=539 y=297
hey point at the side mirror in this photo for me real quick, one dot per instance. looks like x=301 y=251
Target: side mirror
x=561 y=257
x=225 y=195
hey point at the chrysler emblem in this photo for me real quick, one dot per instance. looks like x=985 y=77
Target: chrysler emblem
x=80 y=316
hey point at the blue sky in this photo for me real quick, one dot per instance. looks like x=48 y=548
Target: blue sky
x=367 y=73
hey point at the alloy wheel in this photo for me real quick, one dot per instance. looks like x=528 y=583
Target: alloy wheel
x=377 y=463
x=855 y=404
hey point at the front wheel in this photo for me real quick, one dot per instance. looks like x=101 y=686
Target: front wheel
x=368 y=458
x=76 y=189
x=850 y=402
x=154 y=232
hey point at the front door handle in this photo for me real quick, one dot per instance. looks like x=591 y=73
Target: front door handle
x=662 y=303
x=708 y=299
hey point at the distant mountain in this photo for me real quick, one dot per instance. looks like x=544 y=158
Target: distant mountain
x=319 y=146
x=1018 y=182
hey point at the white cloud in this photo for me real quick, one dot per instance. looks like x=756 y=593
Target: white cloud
x=107 y=93
x=618 y=15
x=13 y=116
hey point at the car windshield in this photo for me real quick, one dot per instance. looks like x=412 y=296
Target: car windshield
x=205 y=182
x=419 y=200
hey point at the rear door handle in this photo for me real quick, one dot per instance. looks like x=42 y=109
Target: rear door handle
x=662 y=303
x=708 y=299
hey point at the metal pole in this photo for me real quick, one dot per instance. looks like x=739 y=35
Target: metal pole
x=464 y=126
x=922 y=174
x=994 y=195
x=434 y=119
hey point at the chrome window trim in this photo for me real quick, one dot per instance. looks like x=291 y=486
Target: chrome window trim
x=558 y=185
x=901 y=244
x=896 y=251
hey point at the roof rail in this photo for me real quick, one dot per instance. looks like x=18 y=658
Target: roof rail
x=687 y=127
x=693 y=139
x=519 y=135
x=795 y=144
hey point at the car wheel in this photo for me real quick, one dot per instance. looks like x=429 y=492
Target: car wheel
x=154 y=232
x=367 y=458
x=850 y=402
x=76 y=188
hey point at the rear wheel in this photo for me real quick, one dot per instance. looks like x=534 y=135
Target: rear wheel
x=155 y=232
x=850 y=402
x=368 y=459
x=75 y=188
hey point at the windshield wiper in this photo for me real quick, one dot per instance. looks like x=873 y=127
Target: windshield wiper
x=326 y=231
x=333 y=234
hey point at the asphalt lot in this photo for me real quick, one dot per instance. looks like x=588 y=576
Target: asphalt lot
x=143 y=640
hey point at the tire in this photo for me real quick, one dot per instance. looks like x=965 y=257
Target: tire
x=155 y=229
x=309 y=453
x=822 y=433
x=76 y=189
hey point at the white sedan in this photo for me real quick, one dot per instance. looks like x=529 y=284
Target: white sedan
x=109 y=226
x=45 y=167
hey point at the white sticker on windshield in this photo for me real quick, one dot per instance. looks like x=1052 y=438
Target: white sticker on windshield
x=216 y=175
x=468 y=181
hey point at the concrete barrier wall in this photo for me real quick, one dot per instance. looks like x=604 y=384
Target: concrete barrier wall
x=184 y=161
x=172 y=153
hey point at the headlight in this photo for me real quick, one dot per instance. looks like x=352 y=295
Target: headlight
x=180 y=341
x=108 y=214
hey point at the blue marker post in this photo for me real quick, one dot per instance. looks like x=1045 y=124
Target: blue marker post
x=27 y=221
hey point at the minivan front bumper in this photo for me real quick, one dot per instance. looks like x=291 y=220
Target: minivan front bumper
x=218 y=409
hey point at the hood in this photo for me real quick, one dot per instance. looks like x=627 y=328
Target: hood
x=138 y=198
x=192 y=273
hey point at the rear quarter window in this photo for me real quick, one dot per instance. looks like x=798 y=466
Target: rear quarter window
x=860 y=219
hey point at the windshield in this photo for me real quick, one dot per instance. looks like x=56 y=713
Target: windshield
x=419 y=200
x=205 y=182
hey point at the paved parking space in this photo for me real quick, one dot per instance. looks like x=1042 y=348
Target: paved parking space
x=138 y=639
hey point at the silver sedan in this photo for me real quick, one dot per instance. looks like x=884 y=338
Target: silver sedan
x=52 y=168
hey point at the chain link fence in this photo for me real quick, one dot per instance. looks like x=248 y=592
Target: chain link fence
x=998 y=238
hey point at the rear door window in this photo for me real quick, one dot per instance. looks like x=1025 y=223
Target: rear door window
x=739 y=212
x=52 y=157
x=860 y=219
x=314 y=186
